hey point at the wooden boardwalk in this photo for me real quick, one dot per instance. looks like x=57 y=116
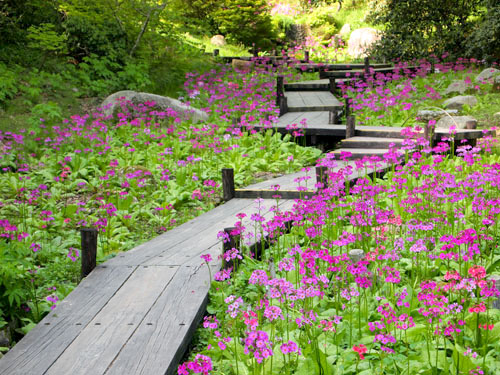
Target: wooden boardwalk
x=136 y=313
x=304 y=101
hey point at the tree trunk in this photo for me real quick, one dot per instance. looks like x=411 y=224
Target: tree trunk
x=151 y=11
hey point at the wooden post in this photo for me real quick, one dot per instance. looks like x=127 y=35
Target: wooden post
x=273 y=52
x=433 y=68
x=346 y=107
x=234 y=122
x=89 y=250
x=367 y=66
x=228 y=245
x=216 y=52
x=471 y=124
x=426 y=132
x=322 y=73
x=350 y=127
x=306 y=56
x=255 y=53
x=280 y=95
x=322 y=176
x=333 y=85
x=333 y=117
x=228 y=184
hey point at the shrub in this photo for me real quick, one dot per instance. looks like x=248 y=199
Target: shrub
x=484 y=42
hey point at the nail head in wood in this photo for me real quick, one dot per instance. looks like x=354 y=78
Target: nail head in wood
x=89 y=250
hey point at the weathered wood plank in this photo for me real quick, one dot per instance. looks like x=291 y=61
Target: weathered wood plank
x=164 y=243
x=104 y=336
x=271 y=194
x=45 y=343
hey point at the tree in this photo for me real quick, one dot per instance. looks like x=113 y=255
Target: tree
x=419 y=28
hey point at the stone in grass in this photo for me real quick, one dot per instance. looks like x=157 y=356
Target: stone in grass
x=460 y=122
x=496 y=116
x=5 y=338
x=356 y=255
x=426 y=115
x=456 y=87
x=242 y=65
x=218 y=40
x=112 y=104
x=496 y=84
x=457 y=102
x=487 y=74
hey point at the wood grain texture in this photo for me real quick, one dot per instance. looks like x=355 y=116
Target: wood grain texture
x=104 y=336
x=45 y=343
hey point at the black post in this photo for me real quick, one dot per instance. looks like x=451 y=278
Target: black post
x=346 y=107
x=333 y=117
x=216 y=52
x=228 y=184
x=306 y=55
x=322 y=73
x=350 y=127
x=280 y=95
x=228 y=245
x=333 y=85
x=89 y=250
x=367 y=66
x=322 y=176
x=254 y=50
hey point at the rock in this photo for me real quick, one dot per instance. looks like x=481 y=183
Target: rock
x=111 y=104
x=356 y=255
x=5 y=338
x=242 y=65
x=456 y=87
x=426 y=115
x=457 y=102
x=496 y=116
x=345 y=30
x=460 y=122
x=218 y=40
x=360 y=40
x=487 y=74
x=496 y=84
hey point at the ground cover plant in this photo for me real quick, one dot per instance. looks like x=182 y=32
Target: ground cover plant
x=405 y=93
x=393 y=275
x=132 y=175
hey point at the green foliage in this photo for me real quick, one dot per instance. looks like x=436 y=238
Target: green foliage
x=245 y=21
x=484 y=41
x=8 y=84
x=87 y=36
x=46 y=38
x=437 y=27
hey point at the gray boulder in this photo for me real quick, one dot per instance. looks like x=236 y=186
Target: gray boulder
x=496 y=84
x=487 y=74
x=457 y=102
x=456 y=87
x=345 y=30
x=460 y=122
x=361 y=40
x=496 y=116
x=218 y=40
x=112 y=104
x=426 y=115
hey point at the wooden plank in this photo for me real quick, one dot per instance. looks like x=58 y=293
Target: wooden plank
x=45 y=343
x=271 y=194
x=166 y=242
x=197 y=242
x=102 y=339
x=157 y=348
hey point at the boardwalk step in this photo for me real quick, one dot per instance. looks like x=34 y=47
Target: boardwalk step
x=357 y=153
x=370 y=142
x=379 y=132
x=304 y=101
